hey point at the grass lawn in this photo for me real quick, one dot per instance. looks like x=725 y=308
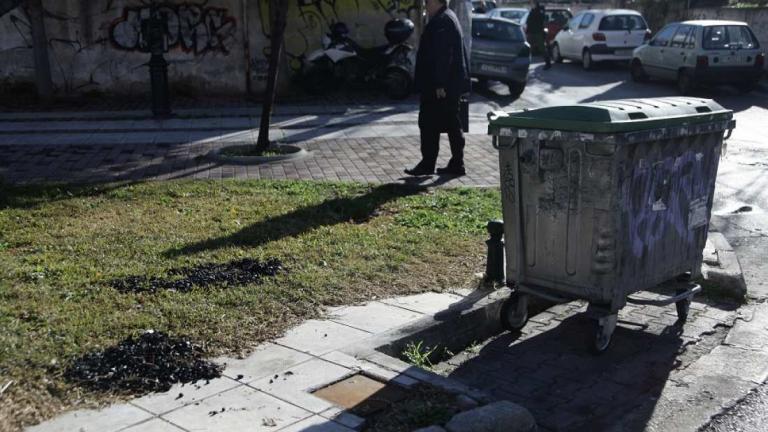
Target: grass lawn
x=340 y=243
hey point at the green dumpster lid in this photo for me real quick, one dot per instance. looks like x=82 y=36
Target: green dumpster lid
x=623 y=115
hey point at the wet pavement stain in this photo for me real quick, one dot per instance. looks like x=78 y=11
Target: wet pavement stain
x=234 y=273
x=152 y=362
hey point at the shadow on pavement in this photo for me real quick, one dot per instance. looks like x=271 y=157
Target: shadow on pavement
x=564 y=386
x=357 y=209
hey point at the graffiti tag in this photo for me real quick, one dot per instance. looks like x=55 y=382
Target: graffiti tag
x=193 y=28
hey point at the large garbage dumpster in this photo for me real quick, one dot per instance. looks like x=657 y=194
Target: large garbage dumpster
x=604 y=199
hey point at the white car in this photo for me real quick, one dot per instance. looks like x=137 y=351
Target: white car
x=601 y=35
x=514 y=14
x=701 y=52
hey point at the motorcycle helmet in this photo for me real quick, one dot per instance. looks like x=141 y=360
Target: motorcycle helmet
x=398 y=30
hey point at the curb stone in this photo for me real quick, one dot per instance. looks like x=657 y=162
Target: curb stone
x=721 y=267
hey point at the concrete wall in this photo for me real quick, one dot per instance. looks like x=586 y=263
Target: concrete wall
x=216 y=46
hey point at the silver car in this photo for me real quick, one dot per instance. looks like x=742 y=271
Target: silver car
x=514 y=14
x=693 y=53
x=500 y=52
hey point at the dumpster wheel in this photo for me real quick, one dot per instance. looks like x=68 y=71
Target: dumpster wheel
x=514 y=312
x=603 y=331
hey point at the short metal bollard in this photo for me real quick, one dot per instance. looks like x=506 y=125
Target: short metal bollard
x=494 y=267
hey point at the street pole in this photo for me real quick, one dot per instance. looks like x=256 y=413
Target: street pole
x=153 y=30
x=43 y=80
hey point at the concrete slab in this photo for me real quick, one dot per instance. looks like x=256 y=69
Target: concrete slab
x=371 y=369
x=428 y=303
x=316 y=424
x=320 y=336
x=374 y=317
x=725 y=360
x=752 y=333
x=109 y=419
x=154 y=425
x=240 y=409
x=268 y=359
x=305 y=377
x=183 y=394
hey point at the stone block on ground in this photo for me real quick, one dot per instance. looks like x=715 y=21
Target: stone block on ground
x=501 y=416
x=721 y=268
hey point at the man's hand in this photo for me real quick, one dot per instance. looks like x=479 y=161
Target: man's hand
x=441 y=93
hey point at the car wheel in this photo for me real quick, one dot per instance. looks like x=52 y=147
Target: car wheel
x=556 y=56
x=637 y=71
x=685 y=83
x=586 y=60
x=516 y=88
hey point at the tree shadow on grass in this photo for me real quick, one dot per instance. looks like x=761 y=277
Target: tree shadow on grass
x=357 y=209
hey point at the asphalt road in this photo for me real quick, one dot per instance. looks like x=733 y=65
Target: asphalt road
x=741 y=195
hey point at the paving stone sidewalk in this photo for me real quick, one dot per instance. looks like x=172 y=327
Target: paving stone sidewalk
x=270 y=390
x=374 y=159
x=654 y=371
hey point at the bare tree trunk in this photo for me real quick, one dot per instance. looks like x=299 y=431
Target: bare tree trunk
x=278 y=14
x=40 y=51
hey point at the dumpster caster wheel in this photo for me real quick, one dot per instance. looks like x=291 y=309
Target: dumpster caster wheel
x=604 y=328
x=514 y=312
x=683 y=306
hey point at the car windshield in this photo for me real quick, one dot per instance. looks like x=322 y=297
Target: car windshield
x=729 y=37
x=495 y=30
x=559 y=17
x=622 y=22
x=513 y=15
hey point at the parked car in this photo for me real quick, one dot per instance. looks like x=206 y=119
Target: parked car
x=483 y=6
x=601 y=35
x=514 y=14
x=556 y=18
x=701 y=52
x=500 y=52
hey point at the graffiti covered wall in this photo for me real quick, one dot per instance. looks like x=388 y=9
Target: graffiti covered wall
x=96 y=45
x=309 y=21
x=215 y=46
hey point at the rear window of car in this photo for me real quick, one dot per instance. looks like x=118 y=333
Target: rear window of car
x=560 y=17
x=622 y=22
x=729 y=37
x=494 y=30
x=513 y=15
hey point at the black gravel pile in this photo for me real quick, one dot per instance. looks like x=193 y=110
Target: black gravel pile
x=151 y=362
x=233 y=273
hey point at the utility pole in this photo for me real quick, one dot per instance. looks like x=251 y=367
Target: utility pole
x=43 y=80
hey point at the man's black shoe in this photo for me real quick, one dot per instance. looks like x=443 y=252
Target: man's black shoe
x=418 y=171
x=449 y=170
x=547 y=66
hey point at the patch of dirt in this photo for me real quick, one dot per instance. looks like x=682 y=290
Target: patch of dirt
x=234 y=273
x=152 y=362
x=425 y=406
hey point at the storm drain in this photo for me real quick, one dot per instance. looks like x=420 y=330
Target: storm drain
x=362 y=395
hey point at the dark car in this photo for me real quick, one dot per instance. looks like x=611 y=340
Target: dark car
x=500 y=52
x=556 y=18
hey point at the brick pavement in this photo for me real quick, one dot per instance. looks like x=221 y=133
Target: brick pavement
x=376 y=160
x=547 y=368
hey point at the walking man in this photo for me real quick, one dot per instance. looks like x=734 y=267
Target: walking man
x=442 y=76
x=537 y=21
